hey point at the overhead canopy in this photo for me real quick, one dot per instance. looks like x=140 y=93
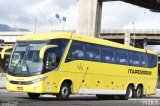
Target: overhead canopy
x=153 y=5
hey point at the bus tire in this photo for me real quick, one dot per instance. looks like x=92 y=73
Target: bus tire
x=64 y=92
x=129 y=93
x=100 y=97
x=33 y=95
x=139 y=92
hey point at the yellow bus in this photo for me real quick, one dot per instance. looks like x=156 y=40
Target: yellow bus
x=5 y=52
x=61 y=64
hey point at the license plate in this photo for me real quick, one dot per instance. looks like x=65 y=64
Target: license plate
x=19 y=88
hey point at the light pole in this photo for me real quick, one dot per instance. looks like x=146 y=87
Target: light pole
x=65 y=20
x=134 y=37
x=35 y=24
x=63 y=23
x=50 y=21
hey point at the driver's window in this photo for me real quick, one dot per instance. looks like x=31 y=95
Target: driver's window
x=50 y=61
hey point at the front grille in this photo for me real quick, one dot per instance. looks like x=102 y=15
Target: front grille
x=21 y=82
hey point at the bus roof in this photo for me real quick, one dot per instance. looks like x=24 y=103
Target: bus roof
x=45 y=36
x=67 y=35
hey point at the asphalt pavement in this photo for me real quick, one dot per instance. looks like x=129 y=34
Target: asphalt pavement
x=21 y=99
x=2 y=82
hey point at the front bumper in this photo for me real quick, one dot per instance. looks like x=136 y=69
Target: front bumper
x=32 y=88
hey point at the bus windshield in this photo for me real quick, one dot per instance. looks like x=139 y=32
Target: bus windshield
x=25 y=58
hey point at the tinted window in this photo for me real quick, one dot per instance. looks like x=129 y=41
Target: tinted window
x=121 y=56
x=152 y=60
x=76 y=51
x=143 y=60
x=50 y=60
x=133 y=58
x=62 y=43
x=108 y=54
x=93 y=52
x=158 y=58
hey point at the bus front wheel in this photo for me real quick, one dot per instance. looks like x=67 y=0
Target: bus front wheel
x=64 y=92
x=34 y=95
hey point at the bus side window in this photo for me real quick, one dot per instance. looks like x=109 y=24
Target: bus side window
x=50 y=60
x=143 y=60
x=93 y=52
x=152 y=60
x=108 y=54
x=121 y=56
x=133 y=58
x=76 y=51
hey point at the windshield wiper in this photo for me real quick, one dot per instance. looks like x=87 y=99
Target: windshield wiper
x=23 y=61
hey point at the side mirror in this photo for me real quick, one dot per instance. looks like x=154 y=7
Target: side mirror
x=43 y=50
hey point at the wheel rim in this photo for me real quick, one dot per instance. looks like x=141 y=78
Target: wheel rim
x=139 y=93
x=130 y=93
x=64 y=91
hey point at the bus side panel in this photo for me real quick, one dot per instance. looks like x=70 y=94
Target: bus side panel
x=51 y=83
x=98 y=81
x=153 y=86
x=74 y=71
x=65 y=76
x=85 y=85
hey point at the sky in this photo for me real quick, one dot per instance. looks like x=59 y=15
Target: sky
x=115 y=15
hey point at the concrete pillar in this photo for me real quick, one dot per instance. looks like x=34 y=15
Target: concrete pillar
x=89 y=17
x=127 y=39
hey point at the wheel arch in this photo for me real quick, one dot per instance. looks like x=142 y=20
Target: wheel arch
x=131 y=84
x=68 y=81
x=141 y=85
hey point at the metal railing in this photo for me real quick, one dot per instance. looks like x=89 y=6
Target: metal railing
x=139 y=31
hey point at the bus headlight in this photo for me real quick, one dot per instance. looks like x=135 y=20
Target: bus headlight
x=39 y=79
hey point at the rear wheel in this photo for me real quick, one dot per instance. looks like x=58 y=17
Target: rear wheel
x=129 y=93
x=33 y=95
x=64 y=92
x=139 y=92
